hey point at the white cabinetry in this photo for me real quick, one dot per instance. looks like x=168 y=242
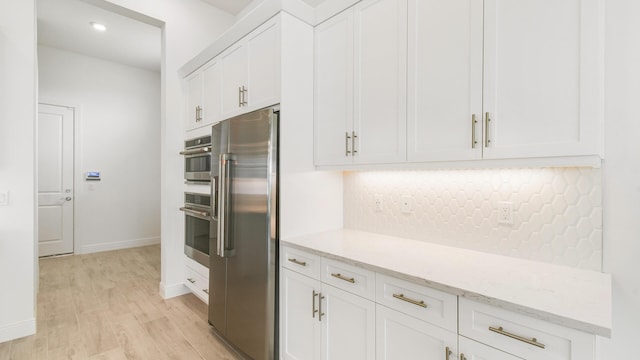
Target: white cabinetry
x=543 y=79
x=204 y=96
x=493 y=79
x=243 y=78
x=360 y=79
x=251 y=71
x=196 y=278
x=444 y=80
x=473 y=350
x=523 y=336
x=319 y=320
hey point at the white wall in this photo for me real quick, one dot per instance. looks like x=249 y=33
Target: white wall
x=118 y=134
x=17 y=168
x=621 y=186
x=190 y=26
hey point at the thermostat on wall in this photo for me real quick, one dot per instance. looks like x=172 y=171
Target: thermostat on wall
x=93 y=175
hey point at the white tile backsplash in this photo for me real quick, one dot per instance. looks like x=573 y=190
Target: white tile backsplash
x=557 y=212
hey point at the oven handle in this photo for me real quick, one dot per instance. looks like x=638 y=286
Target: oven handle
x=202 y=150
x=204 y=214
x=224 y=247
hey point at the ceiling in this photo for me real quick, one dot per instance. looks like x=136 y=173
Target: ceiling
x=65 y=24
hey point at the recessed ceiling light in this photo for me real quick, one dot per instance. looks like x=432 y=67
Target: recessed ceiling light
x=98 y=27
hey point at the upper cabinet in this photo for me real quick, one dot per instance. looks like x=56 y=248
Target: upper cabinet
x=204 y=96
x=360 y=85
x=243 y=78
x=444 y=80
x=492 y=79
x=542 y=78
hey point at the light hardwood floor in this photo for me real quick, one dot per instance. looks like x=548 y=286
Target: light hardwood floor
x=106 y=306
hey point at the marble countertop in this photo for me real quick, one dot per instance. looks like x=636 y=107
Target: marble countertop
x=575 y=298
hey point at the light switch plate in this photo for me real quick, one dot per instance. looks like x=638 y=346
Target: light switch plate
x=4 y=198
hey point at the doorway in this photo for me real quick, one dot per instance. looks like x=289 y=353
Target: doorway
x=55 y=179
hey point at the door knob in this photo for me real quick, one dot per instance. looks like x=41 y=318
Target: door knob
x=68 y=198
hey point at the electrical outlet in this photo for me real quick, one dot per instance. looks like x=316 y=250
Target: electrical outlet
x=4 y=198
x=505 y=212
x=378 y=202
x=406 y=204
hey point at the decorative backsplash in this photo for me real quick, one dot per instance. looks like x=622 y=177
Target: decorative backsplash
x=557 y=212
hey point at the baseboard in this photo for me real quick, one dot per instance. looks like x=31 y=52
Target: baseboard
x=117 y=245
x=169 y=291
x=17 y=330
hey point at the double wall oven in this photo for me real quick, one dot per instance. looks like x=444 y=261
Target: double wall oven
x=200 y=223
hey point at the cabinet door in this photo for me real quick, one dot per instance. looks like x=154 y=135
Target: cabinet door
x=234 y=78
x=333 y=120
x=543 y=64
x=399 y=336
x=194 y=100
x=380 y=81
x=300 y=325
x=263 y=49
x=444 y=80
x=348 y=325
x=212 y=99
x=472 y=350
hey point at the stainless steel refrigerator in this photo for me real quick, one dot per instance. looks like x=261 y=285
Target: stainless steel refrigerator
x=243 y=256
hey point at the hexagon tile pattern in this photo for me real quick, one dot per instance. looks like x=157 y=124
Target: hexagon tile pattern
x=557 y=212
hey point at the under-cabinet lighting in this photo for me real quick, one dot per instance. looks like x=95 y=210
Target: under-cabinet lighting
x=98 y=27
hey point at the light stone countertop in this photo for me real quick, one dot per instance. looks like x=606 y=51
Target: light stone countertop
x=575 y=298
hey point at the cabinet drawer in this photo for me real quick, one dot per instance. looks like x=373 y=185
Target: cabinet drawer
x=433 y=306
x=523 y=336
x=198 y=285
x=350 y=278
x=300 y=261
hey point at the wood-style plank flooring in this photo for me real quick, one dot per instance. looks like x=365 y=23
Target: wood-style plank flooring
x=106 y=306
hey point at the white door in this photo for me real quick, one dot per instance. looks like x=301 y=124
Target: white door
x=543 y=62
x=212 y=100
x=380 y=111
x=263 y=66
x=445 y=80
x=333 y=120
x=300 y=332
x=348 y=325
x=234 y=79
x=399 y=336
x=55 y=180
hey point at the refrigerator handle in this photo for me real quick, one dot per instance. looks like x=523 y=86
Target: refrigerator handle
x=224 y=204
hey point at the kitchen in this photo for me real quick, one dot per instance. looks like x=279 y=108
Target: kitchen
x=619 y=163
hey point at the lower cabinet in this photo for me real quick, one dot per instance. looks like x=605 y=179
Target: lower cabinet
x=320 y=321
x=399 y=336
x=334 y=310
x=472 y=350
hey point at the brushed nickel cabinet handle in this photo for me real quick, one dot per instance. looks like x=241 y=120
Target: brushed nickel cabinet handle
x=409 y=300
x=447 y=353
x=239 y=96
x=353 y=143
x=191 y=280
x=320 y=313
x=313 y=303
x=487 y=120
x=206 y=291
x=298 y=262
x=474 y=121
x=244 y=96
x=346 y=144
x=532 y=341
x=339 y=276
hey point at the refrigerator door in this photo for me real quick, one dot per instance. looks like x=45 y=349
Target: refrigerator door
x=250 y=245
x=217 y=264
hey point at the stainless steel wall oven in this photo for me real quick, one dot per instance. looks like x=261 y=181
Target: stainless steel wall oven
x=197 y=159
x=199 y=226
